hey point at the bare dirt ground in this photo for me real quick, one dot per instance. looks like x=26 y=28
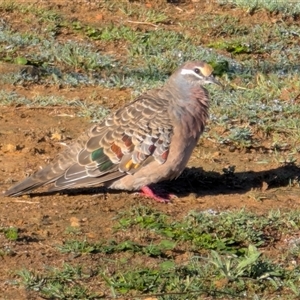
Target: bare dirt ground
x=29 y=138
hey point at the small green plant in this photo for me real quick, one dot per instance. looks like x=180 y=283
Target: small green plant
x=11 y=233
x=285 y=7
x=58 y=283
x=232 y=47
x=77 y=247
x=80 y=56
x=229 y=231
x=84 y=247
x=233 y=267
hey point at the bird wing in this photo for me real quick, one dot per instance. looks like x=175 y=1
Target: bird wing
x=123 y=143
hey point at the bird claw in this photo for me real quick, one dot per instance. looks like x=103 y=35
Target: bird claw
x=147 y=192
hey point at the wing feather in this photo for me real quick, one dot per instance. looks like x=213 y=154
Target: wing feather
x=123 y=143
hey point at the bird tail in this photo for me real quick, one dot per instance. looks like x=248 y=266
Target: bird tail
x=32 y=182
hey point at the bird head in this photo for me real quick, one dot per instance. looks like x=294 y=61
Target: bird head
x=198 y=72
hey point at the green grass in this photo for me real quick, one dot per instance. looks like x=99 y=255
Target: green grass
x=228 y=231
x=266 y=117
x=228 y=271
x=10 y=233
x=83 y=247
x=90 y=111
x=204 y=254
x=59 y=283
x=290 y=8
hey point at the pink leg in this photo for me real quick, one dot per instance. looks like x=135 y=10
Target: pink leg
x=146 y=191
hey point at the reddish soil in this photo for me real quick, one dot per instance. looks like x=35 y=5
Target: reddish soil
x=29 y=138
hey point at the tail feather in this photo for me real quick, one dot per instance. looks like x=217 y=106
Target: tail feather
x=61 y=184
x=48 y=174
x=27 y=185
x=44 y=176
x=60 y=181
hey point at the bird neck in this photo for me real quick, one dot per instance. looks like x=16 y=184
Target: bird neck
x=189 y=108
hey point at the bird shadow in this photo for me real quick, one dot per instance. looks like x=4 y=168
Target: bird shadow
x=199 y=182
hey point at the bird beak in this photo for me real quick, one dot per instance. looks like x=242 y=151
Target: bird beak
x=212 y=79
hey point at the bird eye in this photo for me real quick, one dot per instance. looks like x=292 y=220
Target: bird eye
x=196 y=70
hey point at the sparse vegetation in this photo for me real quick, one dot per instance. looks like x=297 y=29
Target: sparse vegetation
x=114 y=50
x=10 y=233
x=229 y=269
x=289 y=8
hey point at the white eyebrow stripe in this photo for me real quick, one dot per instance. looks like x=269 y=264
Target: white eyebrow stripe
x=189 y=72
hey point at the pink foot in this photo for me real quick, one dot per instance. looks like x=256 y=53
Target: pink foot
x=146 y=191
